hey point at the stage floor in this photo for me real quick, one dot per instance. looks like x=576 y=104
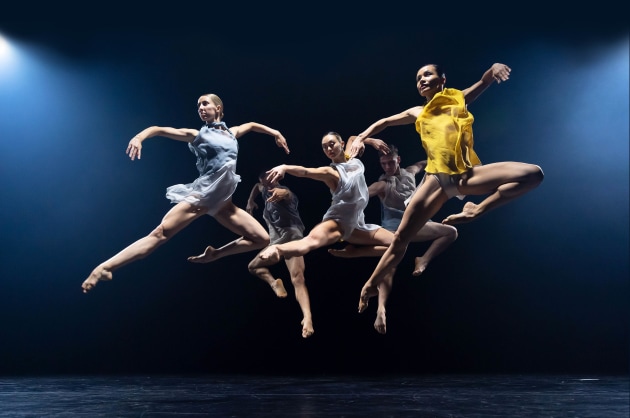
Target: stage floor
x=316 y=396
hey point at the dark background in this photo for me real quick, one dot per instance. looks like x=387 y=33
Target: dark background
x=540 y=285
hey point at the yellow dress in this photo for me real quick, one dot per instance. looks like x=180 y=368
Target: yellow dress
x=445 y=128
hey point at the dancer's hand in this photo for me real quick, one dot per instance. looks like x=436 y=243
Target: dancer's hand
x=357 y=148
x=276 y=174
x=378 y=144
x=134 y=149
x=500 y=72
x=281 y=142
x=277 y=194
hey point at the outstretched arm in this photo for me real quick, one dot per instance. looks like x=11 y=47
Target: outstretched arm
x=403 y=118
x=326 y=174
x=498 y=72
x=241 y=130
x=378 y=144
x=417 y=167
x=377 y=188
x=134 y=148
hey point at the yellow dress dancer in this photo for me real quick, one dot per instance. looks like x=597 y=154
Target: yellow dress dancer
x=445 y=128
x=453 y=168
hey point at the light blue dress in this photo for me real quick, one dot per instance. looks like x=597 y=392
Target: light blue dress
x=216 y=151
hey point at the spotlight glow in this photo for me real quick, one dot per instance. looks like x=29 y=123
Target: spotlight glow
x=4 y=47
x=7 y=58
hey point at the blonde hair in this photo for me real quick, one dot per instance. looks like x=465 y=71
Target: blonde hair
x=217 y=101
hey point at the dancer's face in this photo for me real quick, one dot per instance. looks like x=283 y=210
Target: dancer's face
x=332 y=147
x=208 y=110
x=428 y=82
x=390 y=164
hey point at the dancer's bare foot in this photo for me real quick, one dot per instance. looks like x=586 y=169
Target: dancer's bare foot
x=420 y=266
x=270 y=254
x=366 y=293
x=307 y=327
x=278 y=287
x=345 y=252
x=469 y=212
x=97 y=275
x=380 y=323
x=208 y=256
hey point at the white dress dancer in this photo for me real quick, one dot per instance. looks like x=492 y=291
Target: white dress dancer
x=344 y=220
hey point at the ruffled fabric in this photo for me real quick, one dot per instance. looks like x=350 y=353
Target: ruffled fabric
x=211 y=190
x=216 y=150
x=445 y=128
x=350 y=199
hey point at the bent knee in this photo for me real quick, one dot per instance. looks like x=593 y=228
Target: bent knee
x=452 y=233
x=399 y=240
x=160 y=233
x=260 y=241
x=536 y=175
x=298 y=280
x=253 y=267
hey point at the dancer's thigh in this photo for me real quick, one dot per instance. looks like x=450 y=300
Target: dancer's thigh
x=425 y=202
x=484 y=179
x=240 y=222
x=180 y=216
x=380 y=236
x=432 y=230
x=296 y=266
x=324 y=233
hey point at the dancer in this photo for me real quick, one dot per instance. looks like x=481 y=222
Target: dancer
x=216 y=149
x=344 y=220
x=284 y=225
x=393 y=188
x=453 y=168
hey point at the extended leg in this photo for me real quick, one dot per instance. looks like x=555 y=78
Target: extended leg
x=503 y=182
x=296 y=268
x=442 y=236
x=425 y=202
x=253 y=235
x=324 y=233
x=265 y=275
x=353 y=251
x=176 y=219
